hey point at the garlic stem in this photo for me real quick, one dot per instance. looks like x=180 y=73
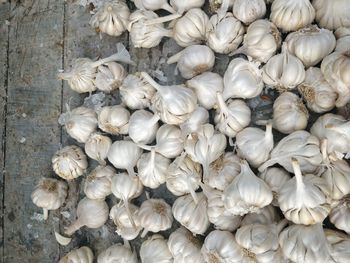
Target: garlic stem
x=151 y=81
x=46 y=213
x=126 y=243
x=192 y=191
x=175 y=58
x=298 y=174
x=131 y=172
x=181 y=159
x=154 y=119
x=153 y=156
x=268 y=131
x=77 y=224
x=221 y=103
x=162 y=19
x=324 y=145
x=281 y=225
x=168 y=8
x=146 y=147
x=128 y=211
x=144 y=233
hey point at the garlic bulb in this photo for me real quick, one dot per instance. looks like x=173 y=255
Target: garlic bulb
x=255 y=145
x=155 y=250
x=152 y=169
x=70 y=162
x=289 y=113
x=173 y=104
x=92 y=213
x=136 y=93
x=193 y=60
x=231 y=117
x=266 y=216
x=242 y=79
x=155 y=216
x=98 y=182
x=79 y=255
x=114 y=119
x=224 y=33
x=49 y=194
x=143 y=126
x=191 y=29
x=247 y=193
x=206 y=85
x=221 y=246
x=332 y=14
x=182 y=6
x=343 y=39
x=97 y=147
x=199 y=117
x=249 y=10
x=317 y=92
x=292 y=15
x=124 y=155
x=185 y=247
x=305 y=244
x=340 y=244
x=300 y=145
x=111 y=18
x=311 y=44
x=192 y=215
x=340 y=215
x=118 y=253
x=110 y=77
x=335 y=69
x=154 y=5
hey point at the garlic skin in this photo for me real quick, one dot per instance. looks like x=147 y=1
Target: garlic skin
x=266 y=216
x=185 y=247
x=192 y=215
x=118 y=253
x=289 y=113
x=255 y=145
x=339 y=243
x=291 y=16
x=199 y=117
x=92 y=213
x=242 y=79
x=49 y=194
x=109 y=77
x=143 y=126
x=79 y=255
x=249 y=11
x=70 y=162
x=221 y=246
x=154 y=5
x=193 y=60
x=114 y=119
x=317 y=92
x=343 y=39
x=332 y=15
x=206 y=86
x=136 y=93
x=182 y=6
x=216 y=5
x=311 y=44
x=340 y=215
x=155 y=250
x=191 y=29
x=224 y=33
x=98 y=183
x=169 y=139
x=97 y=147
x=247 y=193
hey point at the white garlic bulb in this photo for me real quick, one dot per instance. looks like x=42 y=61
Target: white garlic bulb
x=70 y=162
x=118 y=253
x=182 y=6
x=97 y=147
x=289 y=113
x=317 y=92
x=242 y=79
x=340 y=244
x=49 y=194
x=92 y=213
x=292 y=15
x=114 y=119
x=192 y=215
x=191 y=29
x=332 y=14
x=155 y=250
x=152 y=169
x=232 y=116
x=224 y=33
x=311 y=44
x=79 y=255
x=266 y=216
x=206 y=85
x=155 y=216
x=343 y=39
x=143 y=126
x=154 y=5
x=98 y=183
x=247 y=193
x=340 y=215
x=199 y=117
x=185 y=247
x=193 y=60
x=110 y=77
x=255 y=145
x=249 y=10
x=136 y=93
x=302 y=146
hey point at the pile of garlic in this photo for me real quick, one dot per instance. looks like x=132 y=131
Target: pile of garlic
x=266 y=190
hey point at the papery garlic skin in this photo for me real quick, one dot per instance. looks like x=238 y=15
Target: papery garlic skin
x=154 y=5
x=155 y=250
x=289 y=113
x=199 y=117
x=216 y=5
x=143 y=126
x=118 y=253
x=266 y=216
x=311 y=44
x=114 y=119
x=70 y=162
x=182 y=6
x=79 y=255
x=340 y=244
x=192 y=215
x=340 y=215
x=169 y=139
x=97 y=147
x=332 y=14
x=109 y=77
x=225 y=33
x=249 y=10
x=98 y=182
x=343 y=39
x=292 y=15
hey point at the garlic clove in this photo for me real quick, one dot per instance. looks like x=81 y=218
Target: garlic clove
x=114 y=119
x=143 y=126
x=249 y=11
x=79 y=255
x=155 y=250
x=109 y=77
x=62 y=240
x=97 y=147
x=118 y=253
x=98 y=183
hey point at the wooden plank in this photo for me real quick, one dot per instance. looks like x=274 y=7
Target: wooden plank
x=32 y=132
